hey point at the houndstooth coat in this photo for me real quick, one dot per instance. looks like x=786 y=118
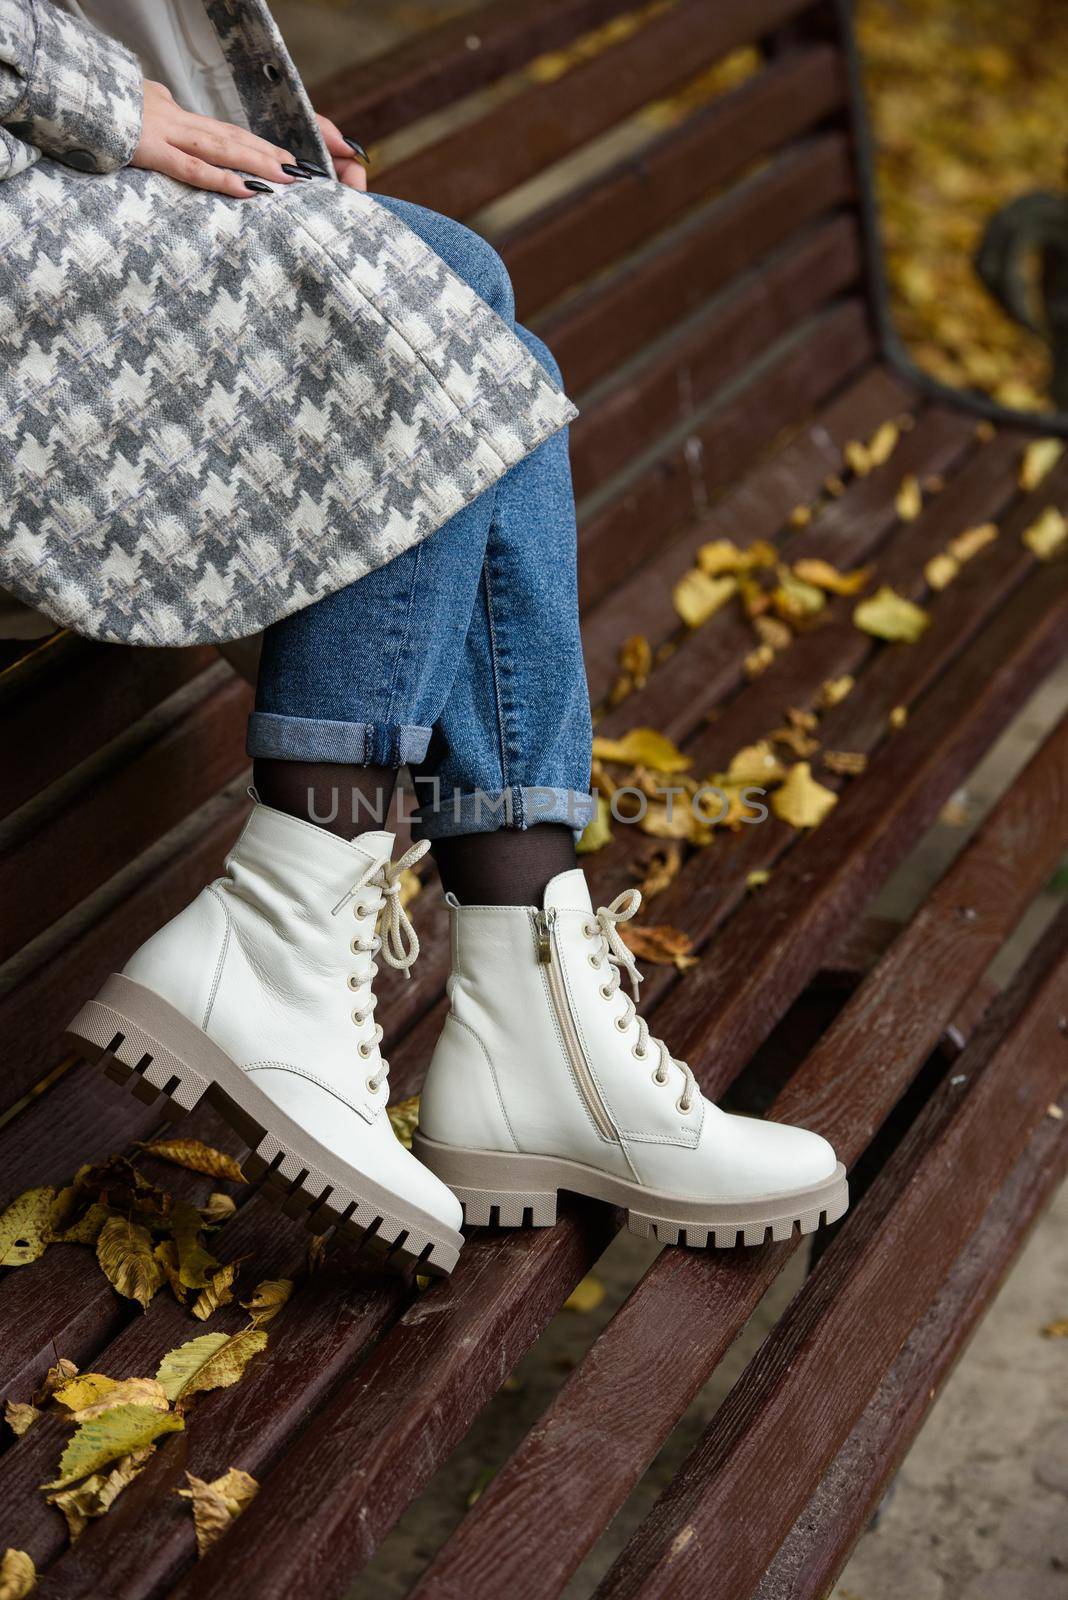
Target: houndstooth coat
x=214 y=412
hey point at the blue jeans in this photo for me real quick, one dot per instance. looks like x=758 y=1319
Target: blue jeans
x=461 y=658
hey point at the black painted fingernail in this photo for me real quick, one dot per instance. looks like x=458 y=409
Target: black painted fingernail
x=257 y=187
x=358 y=150
x=310 y=167
x=294 y=172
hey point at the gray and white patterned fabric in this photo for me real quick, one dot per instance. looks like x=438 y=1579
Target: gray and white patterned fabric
x=214 y=412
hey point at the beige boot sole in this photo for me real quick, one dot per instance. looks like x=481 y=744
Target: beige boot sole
x=141 y=1040
x=510 y=1190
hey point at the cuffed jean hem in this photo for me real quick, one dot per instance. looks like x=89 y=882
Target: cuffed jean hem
x=355 y=744
x=444 y=815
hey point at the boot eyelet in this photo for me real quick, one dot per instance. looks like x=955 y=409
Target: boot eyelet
x=359 y=1018
x=622 y=1024
x=684 y=1106
x=595 y=962
x=372 y=1086
x=589 y=930
x=657 y=1079
x=364 y=1049
x=355 y=982
x=605 y=991
x=639 y=1055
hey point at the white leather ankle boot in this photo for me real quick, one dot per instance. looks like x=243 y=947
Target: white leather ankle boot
x=545 y=1078
x=260 y=996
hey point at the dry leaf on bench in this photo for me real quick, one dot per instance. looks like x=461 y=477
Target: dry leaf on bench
x=794 y=600
x=1040 y=457
x=888 y=615
x=53 y=1379
x=756 y=765
x=969 y=543
x=835 y=690
x=941 y=570
x=218 y=1291
x=758 y=661
x=642 y=747
x=1046 y=534
x=214 y=1361
x=909 y=500
x=24 y=1228
x=799 y=517
x=197 y=1157
x=697 y=597
x=20 y=1416
x=824 y=576
x=18 y=1575
x=268 y=1297
x=95 y=1494
x=802 y=802
x=105 y=1439
x=898 y=717
x=126 y=1255
x=195 y=1263
x=661 y=869
x=216 y=1504
x=662 y=945
x=847 y=763
x=757 y=879
x=220 y=1208
x=122 y=1392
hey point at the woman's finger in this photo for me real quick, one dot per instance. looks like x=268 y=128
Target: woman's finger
x=351 y=174
x=199 y=174
x=193 y=129
x=222 y=150
x=333 y=138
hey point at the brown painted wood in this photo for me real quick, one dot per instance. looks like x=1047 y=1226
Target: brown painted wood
x=604 y=1426
x=104 y=689
x=677 y=381
x=465 y=53
x=819 y=1543
x=619 y=211
x=682 y=482
x=615 y=318
x=465 y=170
x=817 y=1370
x=122 y=813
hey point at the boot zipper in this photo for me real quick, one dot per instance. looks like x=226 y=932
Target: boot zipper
x=549 y=956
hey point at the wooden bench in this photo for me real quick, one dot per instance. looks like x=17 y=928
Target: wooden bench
x=707 y=284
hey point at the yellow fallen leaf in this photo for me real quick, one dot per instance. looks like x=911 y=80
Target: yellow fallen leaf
x=888 y=615
x=24 y=1227
x=675 y=821
x=801 y=801
x=20 y=1416
x=719 y=556
x=195 y=1263
x=126 y=1255
x=220 y=1208
x=1040 y=457
x=1046 y=534
x=1056 y=1330
x=757 y=879
x=794 y=600
x=84 y=1229
x=83 y=1390
x=800 y=517
x=857 y=458
x=774 y=632
x=106 y=1438
x=636 y=658
x=214 y=1361
x=661 y=870
x=941 y=570
x=166 y=1253
x=586 y=1296
x=404 y=1119
x=908 y=502
x=598 y=831
x=697 y=597
x=758 y=661
x=18 y=1575
x=642 y=747
x=268 y=1297
x=53 y=1379
x=883 y=443
x=662 y=945
x=411 y=884
x=757 y=764
x=125 y=1391
x=835 y=690
x=846 y=763
x=216 y=1504
x=971 y=541
x=898 y=717
x=94 y=1496
x=197 y=1157
x=823 y=575
x=218 y=1291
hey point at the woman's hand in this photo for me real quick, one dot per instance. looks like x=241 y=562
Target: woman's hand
x=350 y=168
x=199 y=151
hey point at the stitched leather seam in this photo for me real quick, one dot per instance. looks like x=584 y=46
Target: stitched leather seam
x=309 y=1077
x=492 y=1072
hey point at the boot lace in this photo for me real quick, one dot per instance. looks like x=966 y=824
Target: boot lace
x=605 y=929
x=391 y=935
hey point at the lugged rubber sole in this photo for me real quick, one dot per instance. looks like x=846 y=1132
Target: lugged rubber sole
x=510 y=1190
x=141 y=1040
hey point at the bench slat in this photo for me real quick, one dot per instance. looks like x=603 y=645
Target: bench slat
x=816 y=1371
x=576 y=1467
